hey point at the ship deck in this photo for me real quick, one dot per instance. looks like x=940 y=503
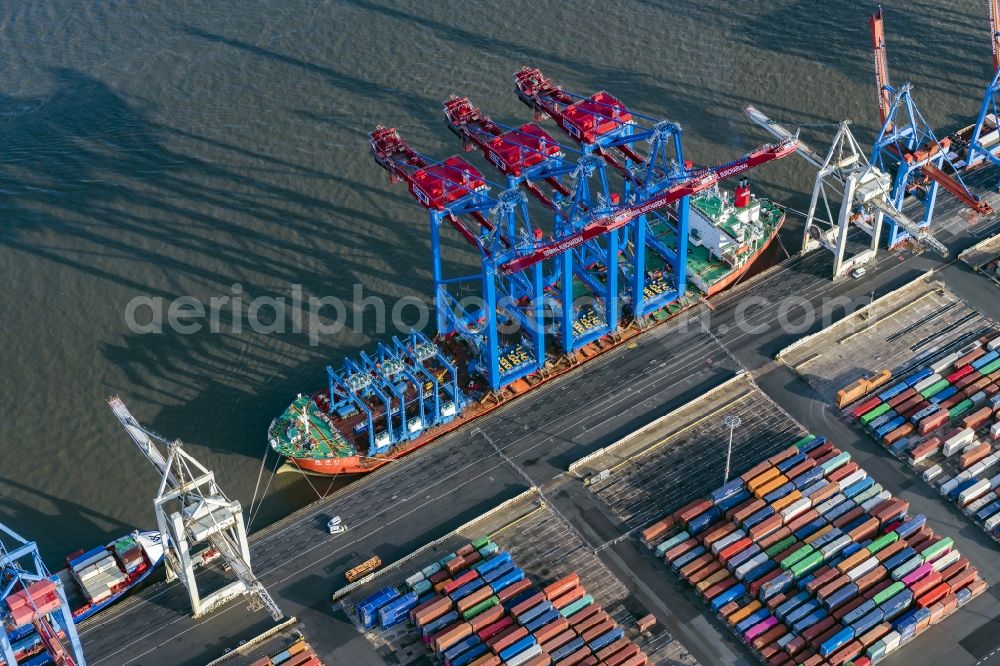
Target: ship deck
x=429 y=494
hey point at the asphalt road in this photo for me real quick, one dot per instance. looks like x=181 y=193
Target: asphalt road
x=429 y=493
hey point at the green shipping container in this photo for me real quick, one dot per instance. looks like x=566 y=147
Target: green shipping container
x=780 y=546
x=836 y=462
x=888 y=593
x=480 y=607
x=577 y=605
x=959 y=409
x=804 y=566
x=990 y=368
x=935 y=388
x=480 y=542
x=875 y=413
x=883 y=541
x=797 y=556
x=931 y=551
x=805 y=440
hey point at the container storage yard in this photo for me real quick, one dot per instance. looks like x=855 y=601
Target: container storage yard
x=530 y=592
x=984 y=257
x=810 y=561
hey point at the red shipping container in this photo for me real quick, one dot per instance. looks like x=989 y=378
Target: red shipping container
x=774 y=537
x=783 y=455
x=756 y=585
x=847 y=517
x=865 y=407
x=577 y=657
x=689 y=511
x=459 y=581
x=795 y=646
x=831 y=587
x=576 y=619
x=933 y=595
x=569 y=597
x=553 y=628
x=802 y=520
x=770 y=635
x=705 y=572
x=513 y=590
x=733 y=549
x=557 y=641
x=657 y=529
x=716 y=533
x=958 y=567
x=821 y=577
x=748 y=509
x=755 y=470
x=506 y=638
x=870 y=637
x=680 y=549
x=842 y=472
x=975 y=454
x=560 y=586
x=839 y=612
x=492 y=630
x=845 y=654
x=890 y=550
x=902 y=397
x=801 y=468
x=765 y=527
x=694 y=565
x=899 y=433
x=527 y=604
x=597 y=630
x=820 y=451
x=933 y=422
x=591 y=622
x=977 y=418
x=878 y=587
x=818 y=629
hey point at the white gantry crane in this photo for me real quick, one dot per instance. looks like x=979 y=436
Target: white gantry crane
x=863 y=191
x=191 y=510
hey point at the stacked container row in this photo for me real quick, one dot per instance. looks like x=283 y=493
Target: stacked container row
x=476 y=607
x=944 y=420
x=810 y=561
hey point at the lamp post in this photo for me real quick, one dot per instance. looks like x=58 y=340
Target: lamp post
x=732 y=422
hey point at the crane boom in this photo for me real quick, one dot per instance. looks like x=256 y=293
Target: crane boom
x=919 y=234
x=698 y=181
x=881 y=67
x=782 y=134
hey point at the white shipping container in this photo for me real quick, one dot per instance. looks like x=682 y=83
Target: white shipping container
x=974 y=491
x=749 y=565
x=719 y=545
x=852 y=478
x=927 y=383
x=97 y=557
x=995 y=482
x=527 y=655
x=993 y=344
x=871 y=503
x=891 y=641
x=932 y=473
x=958 y=442
x=835 y=546
x=975 y=469
x=414 y=579
x=829 y=503
x=981 y=502
x=993 y=521
x=796 y=508
x=950 y=486
x=945 y=363
x=995 y=430
x=863 y=568
x=868 y=494
x=945 y=561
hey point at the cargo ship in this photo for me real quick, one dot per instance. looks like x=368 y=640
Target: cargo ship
x=728 y=231
x=93 y=580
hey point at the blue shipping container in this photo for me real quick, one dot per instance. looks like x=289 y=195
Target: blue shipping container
x=724 y=598
x=606 y=639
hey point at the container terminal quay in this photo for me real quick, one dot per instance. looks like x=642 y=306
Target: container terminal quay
x=301 y=565
x=690 y=462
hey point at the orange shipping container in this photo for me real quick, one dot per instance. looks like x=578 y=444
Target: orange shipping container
x=560 y=586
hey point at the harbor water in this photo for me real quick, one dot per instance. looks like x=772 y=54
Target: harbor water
x=158 y=151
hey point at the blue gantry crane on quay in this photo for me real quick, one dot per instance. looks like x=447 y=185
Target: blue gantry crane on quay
x=604 y=127
x=455 y=192
x=907 y=147
x=37 y=621
x=984 y=142
x=594 y=241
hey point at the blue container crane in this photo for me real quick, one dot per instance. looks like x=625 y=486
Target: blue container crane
x=455 y=192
